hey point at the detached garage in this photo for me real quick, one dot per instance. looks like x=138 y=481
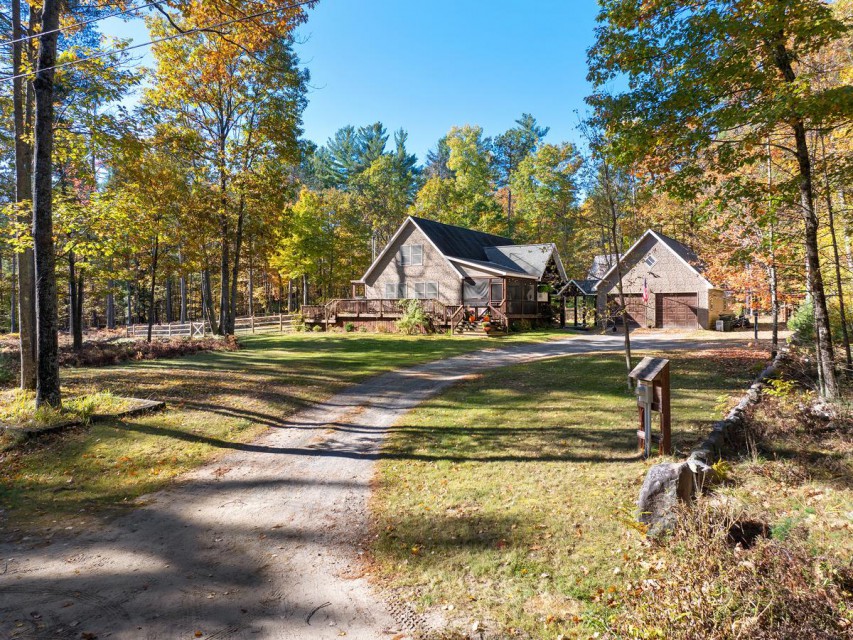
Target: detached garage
x=664 y=285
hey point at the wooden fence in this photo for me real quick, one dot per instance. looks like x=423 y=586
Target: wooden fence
x=252 y=324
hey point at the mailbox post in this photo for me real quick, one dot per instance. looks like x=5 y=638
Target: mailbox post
x=651 y=376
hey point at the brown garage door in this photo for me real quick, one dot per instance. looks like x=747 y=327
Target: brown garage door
x=634 y=305
x=676 y=310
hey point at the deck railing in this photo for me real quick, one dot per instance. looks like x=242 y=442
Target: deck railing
x=441 y=314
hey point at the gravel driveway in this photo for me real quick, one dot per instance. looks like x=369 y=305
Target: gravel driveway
x=264 y=543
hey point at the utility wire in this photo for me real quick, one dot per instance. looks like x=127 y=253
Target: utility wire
x=174 y=36
x=83 y=23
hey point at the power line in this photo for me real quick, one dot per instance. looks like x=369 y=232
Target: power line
x=174 y=36
x=82 y=23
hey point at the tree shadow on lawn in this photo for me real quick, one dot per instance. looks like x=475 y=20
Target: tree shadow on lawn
x=615 y=444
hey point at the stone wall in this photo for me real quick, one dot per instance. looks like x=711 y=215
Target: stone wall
x=669 y=483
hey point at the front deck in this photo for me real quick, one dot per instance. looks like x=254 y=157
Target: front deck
x=385 y=311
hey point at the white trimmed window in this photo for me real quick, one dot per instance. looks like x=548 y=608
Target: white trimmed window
x=424 y=290
x=650 y=260
x=412 y=254
x=395 y=290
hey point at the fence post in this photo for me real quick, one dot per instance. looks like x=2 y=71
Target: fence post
x=252 y=321
x=170 y=329
x=280 y=323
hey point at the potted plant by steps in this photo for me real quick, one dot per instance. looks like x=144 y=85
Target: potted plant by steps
x=487 y=323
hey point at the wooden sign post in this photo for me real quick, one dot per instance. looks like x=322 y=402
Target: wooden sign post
x=651 y=376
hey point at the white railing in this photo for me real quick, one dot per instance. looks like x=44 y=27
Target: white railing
x=252 y=324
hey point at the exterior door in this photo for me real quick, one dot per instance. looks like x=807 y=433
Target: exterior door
x=677 y=310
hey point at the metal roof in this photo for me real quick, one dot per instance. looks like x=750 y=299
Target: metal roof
x=498 y=254
x=532 y=259
x=601 y=264
x=458 y=242
x=586 y=287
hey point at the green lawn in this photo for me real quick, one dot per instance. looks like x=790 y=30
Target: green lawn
x=509 y=499
x=215 y=400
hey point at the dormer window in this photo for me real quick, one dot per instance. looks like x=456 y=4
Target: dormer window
x=650 y=261
x=412 y=254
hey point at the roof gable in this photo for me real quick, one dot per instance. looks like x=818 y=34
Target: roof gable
x=409 y=221
x=681 y=251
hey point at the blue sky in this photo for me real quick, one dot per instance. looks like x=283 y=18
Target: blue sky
x=429 y=66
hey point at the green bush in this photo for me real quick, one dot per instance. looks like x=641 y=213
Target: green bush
x=801 y=322
x=414 y=318
x=317 y=328
x=349 y=327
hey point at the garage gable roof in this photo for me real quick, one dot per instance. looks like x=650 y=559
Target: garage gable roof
x=681 y=251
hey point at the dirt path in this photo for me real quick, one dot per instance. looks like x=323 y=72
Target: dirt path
x=261 y=544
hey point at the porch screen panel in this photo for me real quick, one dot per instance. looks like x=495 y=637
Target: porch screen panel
x=530 y=304
x=476 y=292
x=514 y=296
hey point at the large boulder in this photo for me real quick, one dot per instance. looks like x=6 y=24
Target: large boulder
x=664 y=486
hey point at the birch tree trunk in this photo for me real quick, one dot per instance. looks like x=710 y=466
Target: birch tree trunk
x=823 y=334
x=836 y=261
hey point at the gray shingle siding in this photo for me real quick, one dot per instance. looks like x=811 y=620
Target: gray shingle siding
x=435 y=268
x=669 y=274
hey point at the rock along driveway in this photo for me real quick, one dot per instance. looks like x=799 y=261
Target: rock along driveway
x=263 y=543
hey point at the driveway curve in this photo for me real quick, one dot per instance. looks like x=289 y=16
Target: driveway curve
x=264 y=543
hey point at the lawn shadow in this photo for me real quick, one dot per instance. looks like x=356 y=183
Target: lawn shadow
x=164 y=573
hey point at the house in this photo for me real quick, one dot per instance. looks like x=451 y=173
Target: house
x=678 y=293
x=455 y=270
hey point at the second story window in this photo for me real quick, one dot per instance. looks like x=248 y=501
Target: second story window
x=412 y=254
x=650 y=261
